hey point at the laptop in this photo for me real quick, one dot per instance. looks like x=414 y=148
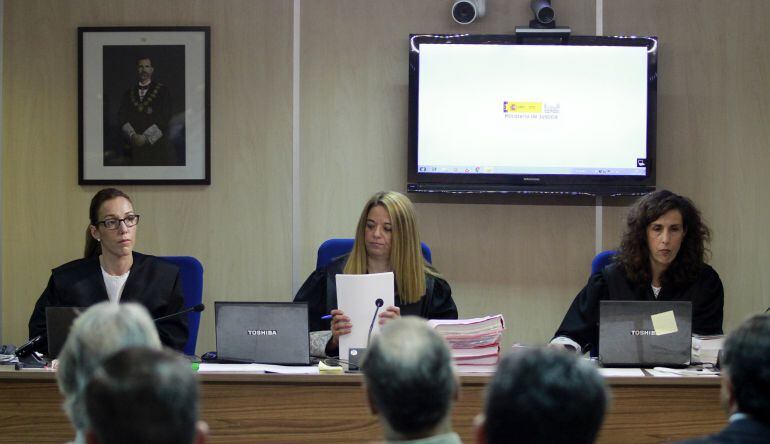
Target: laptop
x=645 y=333
x=58 y=322
x=262 y=332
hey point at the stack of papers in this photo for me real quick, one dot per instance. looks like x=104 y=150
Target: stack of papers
x=475 y=342
x=705 y=349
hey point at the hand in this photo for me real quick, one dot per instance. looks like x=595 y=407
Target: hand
x=138 y=140
x=340 y=326
x=388 y=314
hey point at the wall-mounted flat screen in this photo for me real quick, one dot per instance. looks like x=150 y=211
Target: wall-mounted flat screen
x=501 y=113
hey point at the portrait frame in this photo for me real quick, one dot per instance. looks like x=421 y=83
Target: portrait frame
x=143 y=105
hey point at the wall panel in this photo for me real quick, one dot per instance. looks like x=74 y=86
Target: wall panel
x=507 y=256
x=714 y=104
x=239 y=227
x=523 y=256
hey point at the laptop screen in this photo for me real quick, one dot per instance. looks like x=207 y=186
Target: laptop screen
x=645 y=333
x=263 y=332
x=58 y=322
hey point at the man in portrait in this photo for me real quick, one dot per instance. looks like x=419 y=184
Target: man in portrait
x=143 y=117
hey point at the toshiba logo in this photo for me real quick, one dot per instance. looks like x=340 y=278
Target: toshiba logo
x=262 y=332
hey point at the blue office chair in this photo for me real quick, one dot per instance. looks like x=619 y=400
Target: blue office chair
x=334 y=248
x=191 y=273
x=601 y=260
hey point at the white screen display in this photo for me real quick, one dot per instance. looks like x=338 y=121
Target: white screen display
x=532 y=109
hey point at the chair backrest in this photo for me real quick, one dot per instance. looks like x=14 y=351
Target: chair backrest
x=333 y=248
x=601 y=260
x=191 y=273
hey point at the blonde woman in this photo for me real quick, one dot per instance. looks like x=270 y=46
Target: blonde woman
x=386 y=240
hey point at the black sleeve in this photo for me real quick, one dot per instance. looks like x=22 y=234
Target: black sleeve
x=123 y=111
x=173 y=332
x=313 y=291
x=708 y=304
x=581 y=323
x=37 y=322
x=165 y=117
x=442 y=306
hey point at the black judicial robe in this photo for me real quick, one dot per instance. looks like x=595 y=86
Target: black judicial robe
x=581 y=323
x=320 y=292
x=154 y=283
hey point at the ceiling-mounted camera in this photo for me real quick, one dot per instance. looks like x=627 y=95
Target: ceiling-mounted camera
x=544 y=23
x=466 y=12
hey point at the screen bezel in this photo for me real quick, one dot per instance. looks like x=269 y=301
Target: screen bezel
x=527 y=183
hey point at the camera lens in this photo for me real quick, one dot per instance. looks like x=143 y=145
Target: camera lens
x=464 y=12
x=543 y=11
x=545 y=15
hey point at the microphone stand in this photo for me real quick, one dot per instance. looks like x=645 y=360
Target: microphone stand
x=378 y=303
x=355 y=354
x=198 y=308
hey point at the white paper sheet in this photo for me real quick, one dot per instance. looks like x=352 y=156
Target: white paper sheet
x=665 y=372
x=258 y=368
x=623 y=372
x=356 y=296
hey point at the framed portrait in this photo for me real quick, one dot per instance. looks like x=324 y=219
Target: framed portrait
x=144 y=105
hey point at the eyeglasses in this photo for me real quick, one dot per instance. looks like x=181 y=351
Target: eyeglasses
x=113 y=224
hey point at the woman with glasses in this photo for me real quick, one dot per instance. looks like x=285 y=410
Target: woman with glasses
x=112 y=271
x=387 y=239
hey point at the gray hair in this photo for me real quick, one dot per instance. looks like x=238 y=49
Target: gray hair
x=544 y=396
x=410 y=377
x=143 y=395
x=100 y=331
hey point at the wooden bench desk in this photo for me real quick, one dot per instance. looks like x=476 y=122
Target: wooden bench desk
x=331 y=408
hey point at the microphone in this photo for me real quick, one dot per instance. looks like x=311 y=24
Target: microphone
x=378 y=303
x=198 y=308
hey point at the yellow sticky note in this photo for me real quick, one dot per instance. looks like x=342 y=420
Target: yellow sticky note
x=664 y=323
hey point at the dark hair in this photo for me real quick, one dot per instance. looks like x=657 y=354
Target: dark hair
x=747 y=362
x=92 y=247
x=544 y=396
x=143 y=395
x=409 y=376
x=634 y=254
